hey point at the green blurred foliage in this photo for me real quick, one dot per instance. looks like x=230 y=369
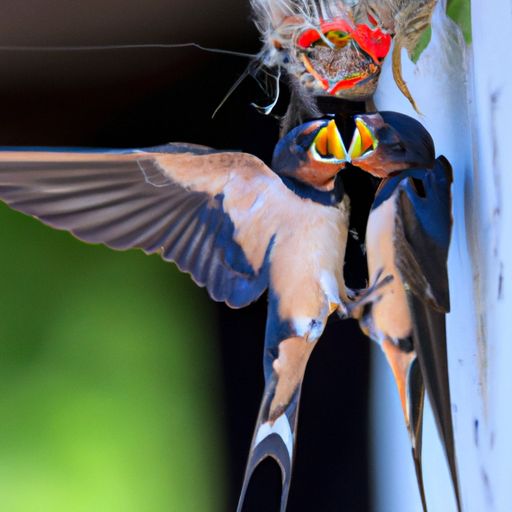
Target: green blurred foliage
x=107 y=372
x=460 y=12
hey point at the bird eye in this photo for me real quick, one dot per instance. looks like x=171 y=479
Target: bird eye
x=397 y=147
x=337 y=37
x=313 y=37
x=336 y=32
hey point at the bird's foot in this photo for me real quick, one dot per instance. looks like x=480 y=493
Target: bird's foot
x=359 y=298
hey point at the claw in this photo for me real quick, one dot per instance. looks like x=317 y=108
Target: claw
x=368 y=295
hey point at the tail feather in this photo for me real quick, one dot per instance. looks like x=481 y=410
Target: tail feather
x=415 y=400
x=409 y=381
x=430 y=345
x=274 y=447
x=274 y=437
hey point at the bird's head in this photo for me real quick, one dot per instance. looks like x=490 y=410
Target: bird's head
x=328 y=49
x=337 y=47
x=339 y=57
x=312 y=153
x=386 y=143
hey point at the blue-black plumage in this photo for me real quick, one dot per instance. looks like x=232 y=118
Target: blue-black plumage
x=407 y=237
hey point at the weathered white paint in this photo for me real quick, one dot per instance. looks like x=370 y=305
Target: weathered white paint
x=465 y=97
x=492 y=85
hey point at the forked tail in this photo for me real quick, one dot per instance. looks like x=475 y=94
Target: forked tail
x=274 y=437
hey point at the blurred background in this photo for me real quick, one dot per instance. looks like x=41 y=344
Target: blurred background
x=123 y=387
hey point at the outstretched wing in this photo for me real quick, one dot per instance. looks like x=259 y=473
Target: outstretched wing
x=424 y=228
x=206 y=210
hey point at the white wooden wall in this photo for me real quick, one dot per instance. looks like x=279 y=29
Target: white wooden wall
x=465 y=95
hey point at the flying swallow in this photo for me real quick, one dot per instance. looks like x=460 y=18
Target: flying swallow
x=235 y=225
x=407 y=237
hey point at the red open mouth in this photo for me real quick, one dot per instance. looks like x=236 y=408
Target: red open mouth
x=339 y=32
x=374 y=42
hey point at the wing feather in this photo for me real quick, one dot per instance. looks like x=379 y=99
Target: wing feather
x=424 y=221
x=424 y=226
x=429 y=337
x=188 y=203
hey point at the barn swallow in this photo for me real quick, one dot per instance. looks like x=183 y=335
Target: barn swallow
x=236 y=225
x=407 y=237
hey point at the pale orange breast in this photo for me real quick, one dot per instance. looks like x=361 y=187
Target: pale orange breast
x=307 y=262
x=391 y=314
x=309 y=238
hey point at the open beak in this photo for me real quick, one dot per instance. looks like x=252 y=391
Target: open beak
x=328 y=145
x=364 y=142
